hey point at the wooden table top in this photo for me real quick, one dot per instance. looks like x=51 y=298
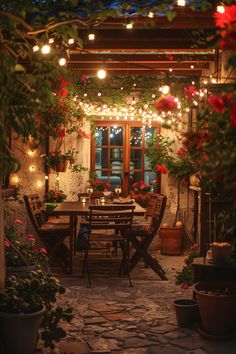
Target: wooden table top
x=80 y=208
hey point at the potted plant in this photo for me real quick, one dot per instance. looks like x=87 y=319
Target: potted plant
x=27 y=303
x=141 y=193
x=163 y=160
x=21 y=252
x=52 y=199
x=59 y=162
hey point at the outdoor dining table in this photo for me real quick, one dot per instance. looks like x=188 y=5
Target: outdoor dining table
x=79 y=208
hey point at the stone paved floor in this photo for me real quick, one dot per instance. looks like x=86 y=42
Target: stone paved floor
x=113 y=318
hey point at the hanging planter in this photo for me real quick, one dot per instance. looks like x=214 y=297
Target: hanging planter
x=61 y=166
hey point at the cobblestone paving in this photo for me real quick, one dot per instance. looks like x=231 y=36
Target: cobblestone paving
x=113 y=318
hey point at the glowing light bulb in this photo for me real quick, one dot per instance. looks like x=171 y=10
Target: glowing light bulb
x=46 y=49
x=15 y=179
x=62 y=61
x=165 y=89
x=220 y=9
x=91 y=36
x=85 y=94
x=193 y=82
x=35 y=48
x=46 y=178
x=39 y=184
x=181 y=2
x=192 y=66
x=170 y=70
x=129 y=26
x=151 y=14
x=51 y=40
x=32 y=168
x=99 y=94
x=71 y=41
x=101 y=74
x=30 y=152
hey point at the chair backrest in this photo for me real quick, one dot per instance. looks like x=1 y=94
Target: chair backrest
x=110 y=217
x=152 y=205
x=35 y=210
x=159 y=213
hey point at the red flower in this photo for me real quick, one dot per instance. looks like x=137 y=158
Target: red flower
x=181 y=152
x=228 y=17
x=43 y=250
x=6 y=244
x=189 y=92
x=170 y=57
x=233 y=114
x=62 y=92
x=217 y=103
x=108 y=184
x=166 y=104
x=31 y=238
x=161 y=169
x=18 y=222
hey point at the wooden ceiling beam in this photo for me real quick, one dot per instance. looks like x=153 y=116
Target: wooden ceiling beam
x=143 y=58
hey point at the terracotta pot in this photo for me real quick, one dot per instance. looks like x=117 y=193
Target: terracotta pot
x=171 y=240
x=217 y=309
x=61 y=166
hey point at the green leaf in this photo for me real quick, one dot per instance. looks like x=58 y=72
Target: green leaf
x=170 y=15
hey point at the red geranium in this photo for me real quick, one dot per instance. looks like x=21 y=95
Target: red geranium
x=189 y=92
x=217 y=103
x=167 y=103
x=226 y=18
x=161 y=169
x=233 y=114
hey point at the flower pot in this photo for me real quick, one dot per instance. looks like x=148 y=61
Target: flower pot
x=217 y=308
x=220 y=255
x=187 y=312
x=61 y=166
x=19 y=331
x=171 y=240
x=14 y=270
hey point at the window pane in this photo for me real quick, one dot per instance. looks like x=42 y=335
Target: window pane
x=150 y=133
x=149 y=177
x=116 y=159
x=146 y=163
x=135 y=177
x=116 y=136
x=101 y=136
x=101 y=158
x=115 y=180
x=136 y=136
x=135 y=159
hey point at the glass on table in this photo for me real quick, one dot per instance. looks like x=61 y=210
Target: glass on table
x=89 y=191
x=118 y=190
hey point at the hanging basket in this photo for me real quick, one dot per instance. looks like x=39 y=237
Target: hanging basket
x=61 y=166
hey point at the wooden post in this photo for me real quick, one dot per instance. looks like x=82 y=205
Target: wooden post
x=2 y=253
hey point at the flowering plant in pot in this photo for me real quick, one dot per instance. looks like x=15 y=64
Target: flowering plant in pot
x=163 y=160
x=32 y=296
x=21 y=252
x=141 y=193
x=52 y=198
x=59 y=162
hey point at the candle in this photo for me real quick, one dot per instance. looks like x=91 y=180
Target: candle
x=83 y=200
x=102 y=200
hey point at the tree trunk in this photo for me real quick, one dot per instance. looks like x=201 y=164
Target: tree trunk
x=2 y=255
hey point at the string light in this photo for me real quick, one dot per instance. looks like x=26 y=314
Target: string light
x=71 y=41
x=129 y=25
x=39 y=184
x=32 y=168
x=181 y=2
x=165 y=89
x=91 y=36
x=35 y=48
x=99 y=94
x=170 y=70
x=151 y=14
x=192 y=66
x=101 y=74
x=46 y=178
x=30 y=152
x=62 y=61
x=46 y=49
x=51 y=40
x=220 y=9
x=15 y=179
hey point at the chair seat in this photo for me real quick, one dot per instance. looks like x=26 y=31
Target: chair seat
x=141 y=229
x=59 y=220
x=52 y=228
x=106 y=238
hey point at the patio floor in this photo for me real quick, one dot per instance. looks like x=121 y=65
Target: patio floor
x=113 y=318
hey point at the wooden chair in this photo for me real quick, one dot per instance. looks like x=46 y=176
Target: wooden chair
x=52 y=235
x=141 y=238
x=102 y=221
x=150 y=211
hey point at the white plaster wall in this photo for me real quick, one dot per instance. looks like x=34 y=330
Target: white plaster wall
x=73 y=183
